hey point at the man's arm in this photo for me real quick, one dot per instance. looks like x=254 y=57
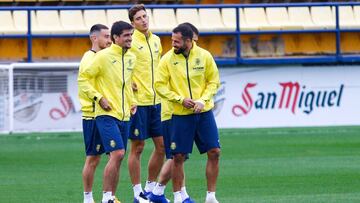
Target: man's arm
x=162 y=81
x=211 y=78
x=133 y=99
x=85 y=76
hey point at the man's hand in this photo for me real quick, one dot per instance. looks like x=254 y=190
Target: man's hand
x=198 y=107
x=105 y=104
x=188 y=103
x=134 y=86
x=133 y=110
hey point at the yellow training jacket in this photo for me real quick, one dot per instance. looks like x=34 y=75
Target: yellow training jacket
x=195 y=77
x=148 y=52
x=87 y=104
x=112 y=70
x=166 y=110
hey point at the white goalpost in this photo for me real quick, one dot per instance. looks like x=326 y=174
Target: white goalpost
x=38 y=97
x=5 y=98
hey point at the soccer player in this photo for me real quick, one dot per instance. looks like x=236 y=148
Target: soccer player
x=100 y=39
x=188 y=77
x=113 y=96
x=194 y=30
x=146 y=123
x=157 y=195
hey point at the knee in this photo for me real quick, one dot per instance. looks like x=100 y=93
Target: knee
x=214 y=154
x=118 y=155
x=93 y=161
x=160 y=148
x=159 y=145
x=138 y=148
x=178 y=158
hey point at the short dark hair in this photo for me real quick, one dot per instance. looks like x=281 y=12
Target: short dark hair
x=98 y=28
x=185 y=31
x=118 y=27
x=134 y=9
x=192 y=27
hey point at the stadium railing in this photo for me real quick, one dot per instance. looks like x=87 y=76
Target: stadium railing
x=337 y=57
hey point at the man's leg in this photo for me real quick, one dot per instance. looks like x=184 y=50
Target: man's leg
x=112 y=170
x=156 y=160
x=178 y=176
x=184 y=194
x=178 y=144
x=157 y=194
x=91 y=162
x=138 y=134
x=88 y=172
x=207 y=140
x=124 y=127
x=212 y=168
x=137 y=147
x=165 y=176
x=115 y=145
x=166 y=172
x=212 y=172
x=182 y=138
x=115 y=188
x=134 y=166
x=93 y=149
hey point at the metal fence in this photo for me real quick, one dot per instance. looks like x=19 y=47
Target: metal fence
x=337 y=57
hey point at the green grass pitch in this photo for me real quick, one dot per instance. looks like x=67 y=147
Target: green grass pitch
x=257 y=165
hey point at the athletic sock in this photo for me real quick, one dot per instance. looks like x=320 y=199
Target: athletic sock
x=177 y=197
x=88 y=197
x=149 y=186
x=159 y=189
x=107 y=195
x=137 y=190
x=184 y=194
x=210 y=195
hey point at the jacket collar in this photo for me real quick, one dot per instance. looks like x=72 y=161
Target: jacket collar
x=194 y=45
x=140 y=35
x=116 y=48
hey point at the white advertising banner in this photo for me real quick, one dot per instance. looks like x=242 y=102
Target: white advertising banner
x=46 y=97
x=266 y=96
x=46 y=112
x=288 y=96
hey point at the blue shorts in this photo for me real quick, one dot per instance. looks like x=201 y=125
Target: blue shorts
x=113 y=132
x=92 y=140
x=166 y=133
x=200 y=128
x=146 y=122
